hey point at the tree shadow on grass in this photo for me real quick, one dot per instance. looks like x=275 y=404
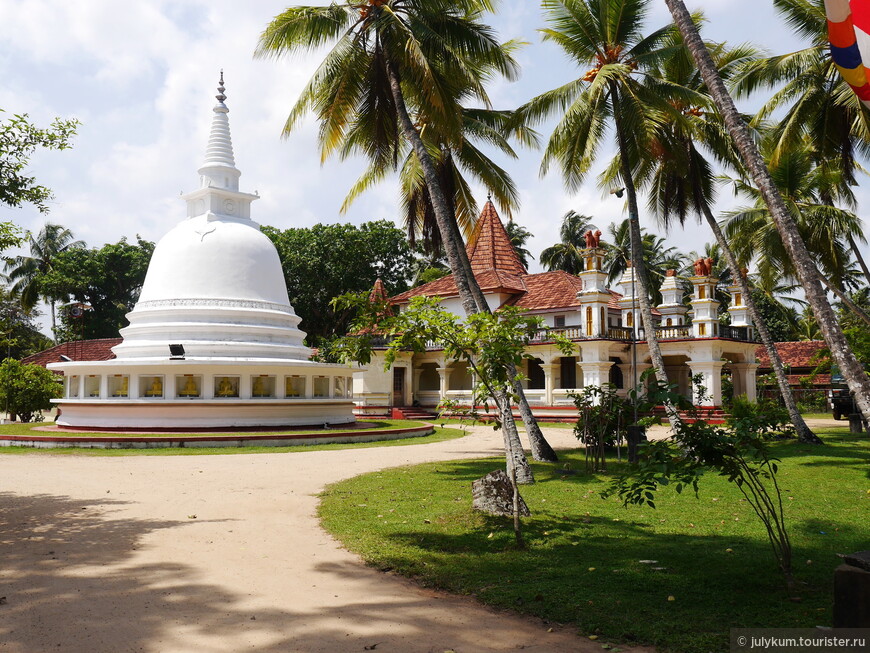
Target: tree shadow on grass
x=70 y=582
x=571 y=468
x=591 y=574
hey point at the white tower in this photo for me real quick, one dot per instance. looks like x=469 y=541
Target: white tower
x=705 y=318
x=594 y=297
x=628 y=303
x=672 y=308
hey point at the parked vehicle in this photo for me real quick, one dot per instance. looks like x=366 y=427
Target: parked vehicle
x=839 y=398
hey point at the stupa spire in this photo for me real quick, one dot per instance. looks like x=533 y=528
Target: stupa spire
x=219 y=168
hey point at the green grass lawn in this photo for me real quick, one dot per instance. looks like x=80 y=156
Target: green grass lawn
x=26 y=429
x=583 y=563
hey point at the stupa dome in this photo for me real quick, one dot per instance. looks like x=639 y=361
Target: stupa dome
x=215 y=257
x=215 y=282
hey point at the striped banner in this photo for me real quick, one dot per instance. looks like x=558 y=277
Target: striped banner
x=849 y=35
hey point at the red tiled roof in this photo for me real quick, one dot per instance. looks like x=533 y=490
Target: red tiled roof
x=793 y=354
x=549 y=290
x=489 y=247
x=489 y=281
x=797 y=380
x=77 y=350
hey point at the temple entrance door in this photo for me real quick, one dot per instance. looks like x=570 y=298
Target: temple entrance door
x=399 y=386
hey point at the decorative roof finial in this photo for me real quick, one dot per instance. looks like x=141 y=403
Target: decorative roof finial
x=489 y=196
x=220 y=96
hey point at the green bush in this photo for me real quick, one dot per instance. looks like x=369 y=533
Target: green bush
x=27 y=390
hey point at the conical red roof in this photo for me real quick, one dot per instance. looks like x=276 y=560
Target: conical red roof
x=379 y=292
x=490 y=248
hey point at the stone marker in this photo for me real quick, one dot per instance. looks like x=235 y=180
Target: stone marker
x=494 y=494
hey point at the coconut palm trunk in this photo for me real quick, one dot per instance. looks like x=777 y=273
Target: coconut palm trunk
x=859 y=257
x=541 y=449
x=649 y=326
x=804 y=432
x=843 y=297
x=465 y=283
x=858 y=381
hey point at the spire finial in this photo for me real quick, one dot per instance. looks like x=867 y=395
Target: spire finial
x=489 y=196
x=220 y=96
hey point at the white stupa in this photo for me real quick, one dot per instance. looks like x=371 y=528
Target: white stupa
x=213 y=340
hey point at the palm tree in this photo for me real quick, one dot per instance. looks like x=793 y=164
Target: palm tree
x=817 y=101
x=806 y=188
x=565 y=255
x=658 y=257
x=518 y=236
x=852 y=371
x=681 y=181
x=455 y=165
x=397 y=69
x=604 y=38
x=801 y=183
x=26 y=272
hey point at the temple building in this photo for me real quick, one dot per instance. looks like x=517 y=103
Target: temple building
x=604 y=325
x=213 y=341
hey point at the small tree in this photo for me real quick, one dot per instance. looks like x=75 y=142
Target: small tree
x=27 y=390
x=739 y=452
x=603 y=417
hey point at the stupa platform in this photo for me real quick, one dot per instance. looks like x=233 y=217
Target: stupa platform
x=54 y=437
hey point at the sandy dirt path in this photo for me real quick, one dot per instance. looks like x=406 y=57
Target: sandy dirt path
x=104 y=554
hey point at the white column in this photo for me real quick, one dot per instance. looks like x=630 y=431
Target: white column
x=595 y=373
x=745 y=372
x=711 y=371
x=549 y=381
x=415 y=382
x=443 y=379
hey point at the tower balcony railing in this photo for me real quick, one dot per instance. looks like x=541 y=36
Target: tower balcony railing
x=678 y=332
x=578 y=333
x=621 y=333
x=736 y=333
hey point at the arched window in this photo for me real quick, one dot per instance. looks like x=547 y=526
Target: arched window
x=602 y=327
x=588 y=320
x=702 y=292
x=670 y=322
x=629 y=319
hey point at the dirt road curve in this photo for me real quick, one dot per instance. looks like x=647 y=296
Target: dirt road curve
x=221 y=553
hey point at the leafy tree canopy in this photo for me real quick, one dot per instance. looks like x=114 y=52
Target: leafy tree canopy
x=19 y=334
x=107 y=279
x=19 y=139
x=26 y=390
x=325 y=261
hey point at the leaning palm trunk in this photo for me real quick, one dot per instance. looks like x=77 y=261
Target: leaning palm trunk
x=649 y=326
x=516 y=458
x=858 y=381
x=804 y=432
x=843 y=297
x=541 y=449
x=859 y=257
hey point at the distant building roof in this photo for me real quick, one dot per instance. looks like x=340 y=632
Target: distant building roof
x=78 y=350
x=794 y=355
x=498 y=269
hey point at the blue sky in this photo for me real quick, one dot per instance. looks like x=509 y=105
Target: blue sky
x=141 y=78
